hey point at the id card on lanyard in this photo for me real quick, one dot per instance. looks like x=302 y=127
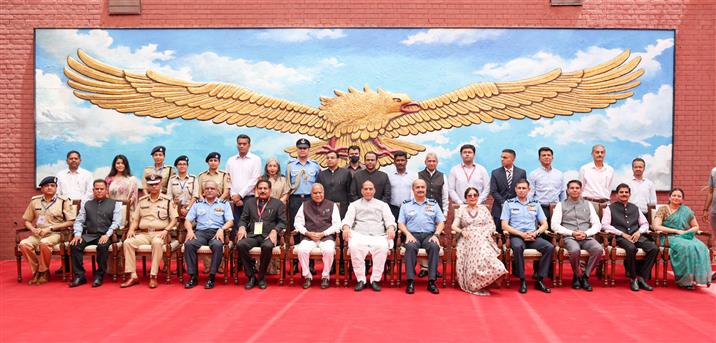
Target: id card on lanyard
x=41 y=219
x=259 y=225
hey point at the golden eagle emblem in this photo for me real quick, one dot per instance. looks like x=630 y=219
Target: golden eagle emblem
x=372 y=120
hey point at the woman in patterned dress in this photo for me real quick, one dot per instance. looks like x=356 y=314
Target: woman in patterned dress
x=477 y=264
x=122 y=185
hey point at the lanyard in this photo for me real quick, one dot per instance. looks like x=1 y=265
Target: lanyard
x=45 y=208
x=261 y=211
x=182 y=185
x=468 y=177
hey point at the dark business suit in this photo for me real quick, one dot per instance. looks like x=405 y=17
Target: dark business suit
x=500 y=192
x=273 y=217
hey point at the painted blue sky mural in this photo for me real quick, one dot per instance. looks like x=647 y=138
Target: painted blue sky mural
x=302 y=64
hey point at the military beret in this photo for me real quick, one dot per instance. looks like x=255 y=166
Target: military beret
x=153 y=179
x=159 y=148
x=181 y=158
x=48 y=179
x=303 y=143
x=214 y=154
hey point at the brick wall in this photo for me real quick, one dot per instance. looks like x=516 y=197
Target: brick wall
x=695 y=101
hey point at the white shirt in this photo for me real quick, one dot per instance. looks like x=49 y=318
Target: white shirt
x=401 y=187
x=76 y=186
x=369 y=217
x=244 y=172
x=596 y=183
x=462 y=177
x=300 y=221
x=557 y=221
x=643 y=193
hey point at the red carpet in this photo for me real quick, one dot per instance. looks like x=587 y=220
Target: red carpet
x=54 y=312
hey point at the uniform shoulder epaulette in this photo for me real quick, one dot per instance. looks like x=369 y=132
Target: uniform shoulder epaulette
x=143 y=197
x=407 y=201
x=36 y=197
x=432 y=201
x=164 y=196
x=513 y=200
x=62 y=197
x=204 y=172
x=221 y=201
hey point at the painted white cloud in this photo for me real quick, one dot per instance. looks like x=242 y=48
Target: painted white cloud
x=459 y=37
x=635 y=120
x=256 y=75
x=99 y=44
x=658 y=168
x=62 y=115
x=498 y=126
x=543 y=61
x=301 y=35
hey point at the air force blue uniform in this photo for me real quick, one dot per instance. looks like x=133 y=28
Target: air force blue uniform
x=209 y=218
x=421 y=219
x=524 y=217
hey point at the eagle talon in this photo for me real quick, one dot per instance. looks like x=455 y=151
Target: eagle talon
x=331 y=147
x=385 y=150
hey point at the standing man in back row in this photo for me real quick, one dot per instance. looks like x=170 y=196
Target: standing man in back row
x=468 y=174
x=244 y=170
x=502 y=183
x=597 y=177
x=547 y=182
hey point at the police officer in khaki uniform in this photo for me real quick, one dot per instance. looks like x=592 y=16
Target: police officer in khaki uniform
x=183 y=188
x=45 y=216
x=153 y=217
x=222 y=178
x=158 y=168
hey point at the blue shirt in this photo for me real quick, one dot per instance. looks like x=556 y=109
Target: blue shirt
x=521 y=216
x=420 y=217
x=307 y=172
x=210 y=216
x=547 y=187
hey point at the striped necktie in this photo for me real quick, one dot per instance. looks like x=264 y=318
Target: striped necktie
x=509 y=178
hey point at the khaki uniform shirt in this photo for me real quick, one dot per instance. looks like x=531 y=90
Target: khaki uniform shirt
x=182 y=191
x=154 y=214
x=222 y=179
x=165 y=171
x=43 y=214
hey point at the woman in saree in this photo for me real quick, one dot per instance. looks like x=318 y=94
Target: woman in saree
x=689 y=256
x=477 y=264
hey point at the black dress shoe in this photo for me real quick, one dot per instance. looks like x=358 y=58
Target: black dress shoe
x=262 y=283
x=80 y=280
x=523 y=286
x=410 y=287
x=423 y=273
x=209 y=284
x=374 y=285
x=643 y=285
x=432 y=288
x=306 y=283
x=359 y=286
x=585 y=283
x=58 y=271
x=324 y=283
x=576 y=282
x=540 y=286
x=634 y=285
x=97 y=281
x=193 y=281
x=251 y=283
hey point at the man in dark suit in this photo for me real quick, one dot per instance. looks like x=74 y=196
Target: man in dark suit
x=502 y=183
x=262 y=221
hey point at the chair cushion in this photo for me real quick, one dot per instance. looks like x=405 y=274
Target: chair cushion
x=422 y=252
x=257 y=251
x=93 y=248
x=530 y=253
x=148 y=247
x=204 y=249
x=622 y=253
x=314 y=251
x=582 y=253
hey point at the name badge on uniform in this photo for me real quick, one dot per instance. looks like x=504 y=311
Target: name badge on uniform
x=531 y=208
x=258 y=228
x=515 y=210
x=218 y=210
x=41 y=219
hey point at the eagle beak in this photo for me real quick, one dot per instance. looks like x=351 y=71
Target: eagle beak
x=405 y=108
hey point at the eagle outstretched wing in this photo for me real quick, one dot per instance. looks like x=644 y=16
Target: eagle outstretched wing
x=547 y=95
x=158 y=96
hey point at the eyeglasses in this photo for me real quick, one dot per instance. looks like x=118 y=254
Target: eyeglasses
x=471 y=195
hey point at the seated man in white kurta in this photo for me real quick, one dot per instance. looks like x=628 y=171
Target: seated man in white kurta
x=369 y=227
x=317 y=220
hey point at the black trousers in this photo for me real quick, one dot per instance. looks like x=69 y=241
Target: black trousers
x=77 y=252
x=203 y=237
x=630 y=263
x=411 y=255
x=245 y=245
x=236 y=210
x=540 y=244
